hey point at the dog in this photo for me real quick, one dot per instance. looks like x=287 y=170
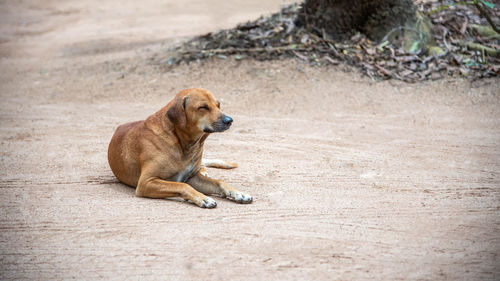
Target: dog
x=162 y=155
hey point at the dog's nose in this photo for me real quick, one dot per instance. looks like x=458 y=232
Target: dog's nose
x=227 y=120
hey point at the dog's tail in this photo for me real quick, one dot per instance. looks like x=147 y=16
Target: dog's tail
x=216 y=163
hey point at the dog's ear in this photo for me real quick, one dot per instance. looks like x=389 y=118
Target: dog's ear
x=177 y=112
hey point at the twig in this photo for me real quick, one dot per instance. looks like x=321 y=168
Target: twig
x=464 y=26
x=383 y=70
x=329 y=59
x=248 y=50
x=445 y=33
x=300 y=56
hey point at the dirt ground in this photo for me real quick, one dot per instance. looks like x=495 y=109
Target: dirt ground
x=352 y=179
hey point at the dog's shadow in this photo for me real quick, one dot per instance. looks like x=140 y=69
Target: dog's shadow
x=122 y=188
x=109 y=180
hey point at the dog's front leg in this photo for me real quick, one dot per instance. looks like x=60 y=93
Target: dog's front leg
x=158 y=188
x=208 y=185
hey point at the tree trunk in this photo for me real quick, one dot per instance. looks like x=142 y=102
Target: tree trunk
x=340 y=19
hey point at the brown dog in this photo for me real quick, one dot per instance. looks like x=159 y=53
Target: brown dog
x=162 y=155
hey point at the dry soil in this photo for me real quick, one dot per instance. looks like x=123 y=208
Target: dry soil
x=352 y=179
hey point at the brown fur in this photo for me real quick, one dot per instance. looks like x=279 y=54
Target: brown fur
x=161 y=156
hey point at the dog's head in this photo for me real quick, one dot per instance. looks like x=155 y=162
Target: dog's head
x=197 y=109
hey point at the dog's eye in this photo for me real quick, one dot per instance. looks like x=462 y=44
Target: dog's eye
x=205 y=107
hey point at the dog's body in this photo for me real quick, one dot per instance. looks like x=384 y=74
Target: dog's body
x=162 y=155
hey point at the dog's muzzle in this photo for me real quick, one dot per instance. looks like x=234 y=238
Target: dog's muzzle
x=220 y=125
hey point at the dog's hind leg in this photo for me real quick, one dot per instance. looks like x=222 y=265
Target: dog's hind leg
x=217 y=163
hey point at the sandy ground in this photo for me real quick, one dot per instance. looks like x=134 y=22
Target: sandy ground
x=351 y=179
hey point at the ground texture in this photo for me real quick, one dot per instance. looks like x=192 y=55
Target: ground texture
x=352 y=179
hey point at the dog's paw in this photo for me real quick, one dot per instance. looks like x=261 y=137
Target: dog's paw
x=204 y=172
x=240 y=197
x=208 y=203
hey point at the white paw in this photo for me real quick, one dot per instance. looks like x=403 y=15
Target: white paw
x=208 y=203
x=239 y=197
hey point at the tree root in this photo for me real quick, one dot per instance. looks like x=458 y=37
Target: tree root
x=479 y=47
